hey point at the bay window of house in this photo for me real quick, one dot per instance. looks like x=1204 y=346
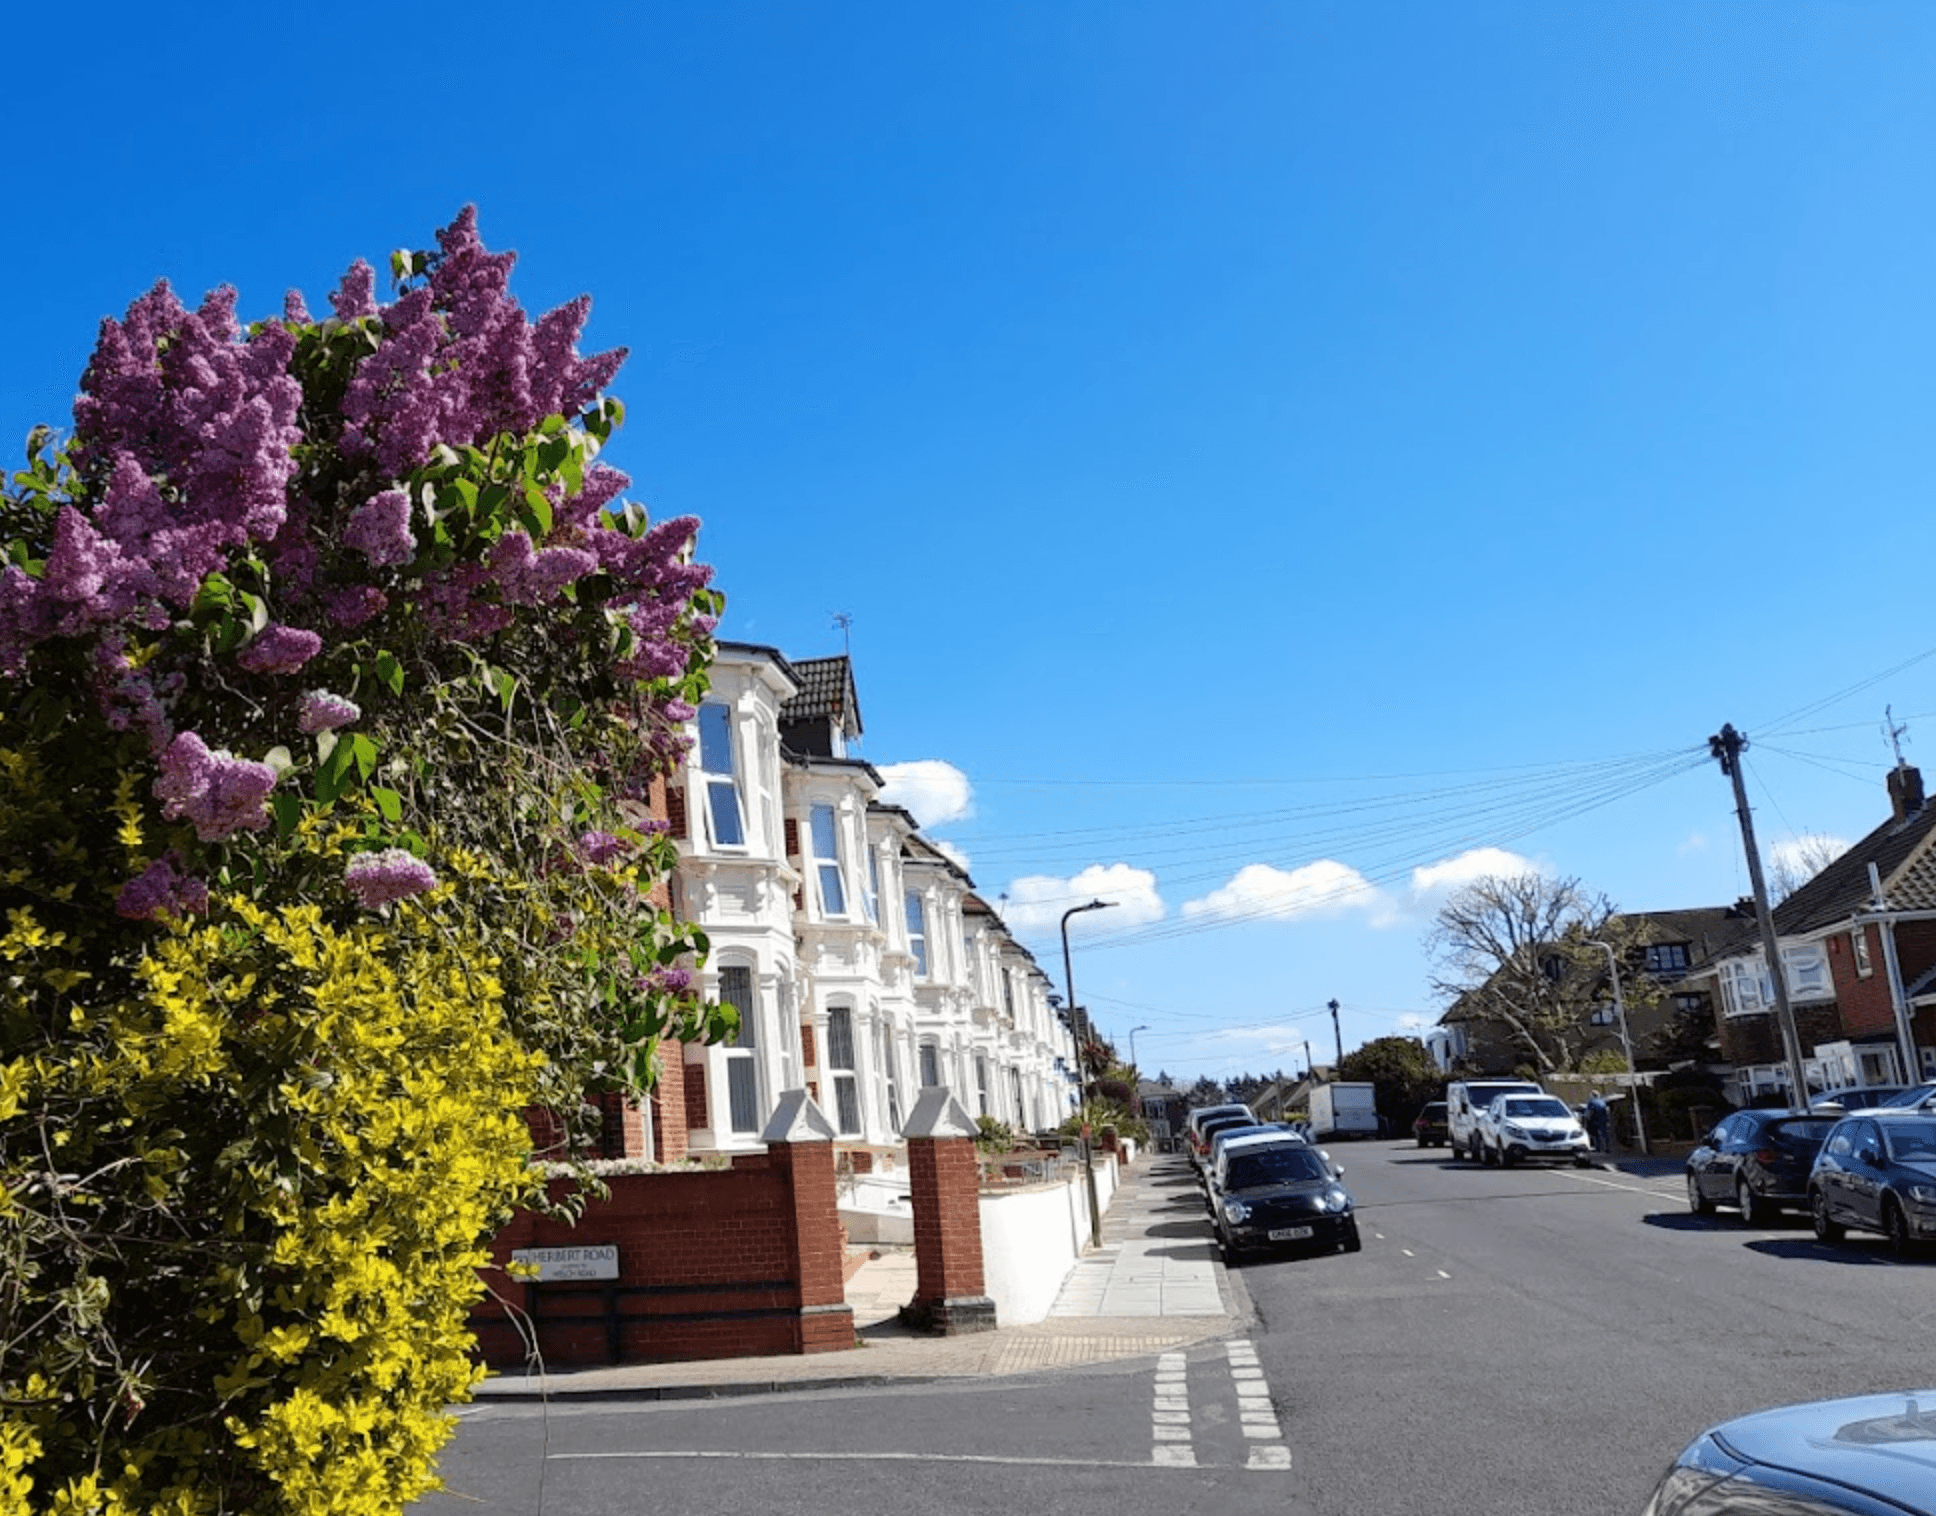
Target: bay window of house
x=1745 y=989
x=742 y=1058
x=930 y=1065
x=1807 y=969
x=840 y=1058
x=826 y=857
x=890 y=1062
x=719 y=773
x=1859 y=946
x=918 y=938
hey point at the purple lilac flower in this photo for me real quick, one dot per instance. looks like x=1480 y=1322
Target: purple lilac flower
x=320 y=711
x=280 y=649
x=379 y=529
x=600 y=848
x=160 y=890
x=531 y=576
x=667 y=981
x=295 y=310
x=217 y=793
x=355 y=297
x=376 y=879
x=352 y=605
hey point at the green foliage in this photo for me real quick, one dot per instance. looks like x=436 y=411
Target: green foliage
x=1098 y=1114
x=1604 y=1061
x=995 y=1136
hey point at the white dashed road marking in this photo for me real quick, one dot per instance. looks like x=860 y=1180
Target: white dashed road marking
x=1170 y=1415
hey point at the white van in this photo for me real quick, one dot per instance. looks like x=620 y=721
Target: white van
x=1466 y=1101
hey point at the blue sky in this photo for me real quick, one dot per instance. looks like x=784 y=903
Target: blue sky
x=1331 y=439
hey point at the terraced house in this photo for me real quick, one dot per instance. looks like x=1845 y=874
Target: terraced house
x=862 y=962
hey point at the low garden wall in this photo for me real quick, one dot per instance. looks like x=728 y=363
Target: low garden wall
x=1033 y=1235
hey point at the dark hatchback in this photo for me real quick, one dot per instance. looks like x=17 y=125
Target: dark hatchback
x=1877 y=1172
x=1874 y=1455
x=1756 y=1161
x=1431 y=1128
x=1282 y=1195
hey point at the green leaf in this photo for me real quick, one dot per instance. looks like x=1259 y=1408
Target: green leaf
x=288 y=809
x=216 y=594
x=389 y=802
x=333 y=775
x=363 y=750
x=537 y=514
x=390 y=672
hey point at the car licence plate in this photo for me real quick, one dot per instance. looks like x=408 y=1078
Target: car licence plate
x=1290 y=1234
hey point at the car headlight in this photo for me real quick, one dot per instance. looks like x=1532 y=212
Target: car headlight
x=1236 y=1212
x=1337 y=1200
x=1923 y=1194
x=1515 y=1131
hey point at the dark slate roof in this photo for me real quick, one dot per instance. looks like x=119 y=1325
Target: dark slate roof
x=826 y=693
x=1842 y=888
x=1712 y=931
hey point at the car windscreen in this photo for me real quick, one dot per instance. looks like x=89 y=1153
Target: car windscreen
x=1801 y=1128
x=1273 y=1165
x=1251 y=1128
x=1435 y=1111
x=1543 y=1106
x=1483 y=1095
x=1913 y=1140
x=1209 y=1129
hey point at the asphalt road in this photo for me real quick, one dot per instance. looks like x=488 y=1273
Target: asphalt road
x=1509 y=1343
x=1541 y=1342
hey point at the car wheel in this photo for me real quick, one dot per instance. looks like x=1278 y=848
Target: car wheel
x=1896 y=1224
x=1698 y=1203
x=1351 y=1242
x=1505 y=1157
x=1753 y=1212
x=1827 y=1229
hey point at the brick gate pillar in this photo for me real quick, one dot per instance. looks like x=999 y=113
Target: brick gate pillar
x=800 y=1140
x=944 y=1183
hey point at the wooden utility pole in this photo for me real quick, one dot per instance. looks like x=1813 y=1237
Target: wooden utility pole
x=1338 y=1035
x=1726 y=746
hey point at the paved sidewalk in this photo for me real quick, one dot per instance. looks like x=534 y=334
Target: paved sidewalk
x=1157 y=1284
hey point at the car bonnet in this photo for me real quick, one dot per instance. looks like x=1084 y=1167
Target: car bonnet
x=1884 y=1444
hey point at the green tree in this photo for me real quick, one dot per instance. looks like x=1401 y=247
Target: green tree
x=1402 y=1073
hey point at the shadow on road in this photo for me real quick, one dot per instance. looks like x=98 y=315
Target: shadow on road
x=1876 y=1257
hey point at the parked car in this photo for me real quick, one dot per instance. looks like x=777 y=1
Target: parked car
x=1466 y=1101
x=1200 y=1145
x=1282 y=1195
x=1521 y=1128
x=1275 y=1131
x=1240 y=1142
x=1855 y=1097
x=1756 y=1161
x=1917 y=1095
x=1430 y=1127
x=1871 y=1454
x=1877 y=1173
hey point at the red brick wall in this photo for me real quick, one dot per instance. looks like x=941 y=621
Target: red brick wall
x=1757 y=1039
x=675 y=804
x=1865 y=1002
x=697 y=1117
x=944 y=1190
x=669 y=1104
x=723 y=1264
x=808 y=1058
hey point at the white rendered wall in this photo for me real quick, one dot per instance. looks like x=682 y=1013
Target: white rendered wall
x=1031 y=1239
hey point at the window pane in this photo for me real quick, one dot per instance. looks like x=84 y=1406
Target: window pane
x=716 y=739
x=930 y=1064
x=825 y=844
x=736 y=990
x=723 y=795
x=847 y=1103
x=833 y=897
x=840 y=1038
x=742 y=1090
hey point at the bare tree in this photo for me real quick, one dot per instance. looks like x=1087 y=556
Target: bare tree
x=1515 y=951
x=1792 y=864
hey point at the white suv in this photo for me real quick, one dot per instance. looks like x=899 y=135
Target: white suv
x=1516 y=1128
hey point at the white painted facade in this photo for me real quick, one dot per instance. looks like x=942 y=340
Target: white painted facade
x=829 y=911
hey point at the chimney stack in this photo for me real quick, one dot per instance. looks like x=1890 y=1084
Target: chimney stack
x=1905 y=790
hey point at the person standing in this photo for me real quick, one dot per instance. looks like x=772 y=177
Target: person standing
x=1599 y=1123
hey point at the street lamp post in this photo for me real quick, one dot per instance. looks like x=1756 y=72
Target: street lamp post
x=1082 y=1073
x=1626 y=1041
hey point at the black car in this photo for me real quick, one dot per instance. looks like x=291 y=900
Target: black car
x=1282 y=1195
x=1872 y=1455
x=1877 y=1173
x=1756 y=1161
x=1431 y=1127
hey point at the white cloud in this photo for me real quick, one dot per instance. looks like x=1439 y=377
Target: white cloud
x=1696 y=842
x=1436 y=879
x=1036 y=901
x=934 y=790
x=1258 y=892
x=953 y=854
x=1412 y=1022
